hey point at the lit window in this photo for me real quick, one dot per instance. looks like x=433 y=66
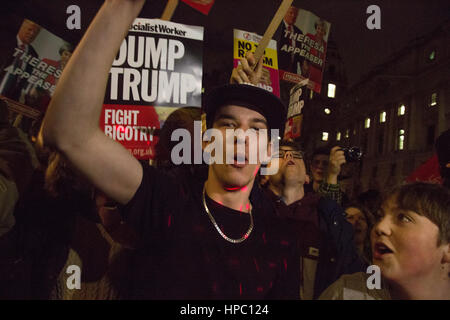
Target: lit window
x=338 y=136
x=401 y=110
x=331 y=90
x=433 y=99
x=383 y=116
x=311 y=94
x=324 y=136
x=367 y=123
x=401 y=139
x=432 y=55
x=347 y=133
x=327 y=110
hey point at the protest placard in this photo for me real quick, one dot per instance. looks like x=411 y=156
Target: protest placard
x=302 y=47
x=271 y=29
x=293 y=127
x=28 y=79
x=158 y=68
x=295 y=110
x=297 y=99
x=204 y=6
x=247 y=41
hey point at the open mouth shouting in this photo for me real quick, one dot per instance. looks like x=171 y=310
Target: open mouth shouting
x=381 y=250
x=290 y=163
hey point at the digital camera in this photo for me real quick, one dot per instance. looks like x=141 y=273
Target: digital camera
x=352 y=154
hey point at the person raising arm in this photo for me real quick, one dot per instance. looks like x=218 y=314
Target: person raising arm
x=71 y=124
x=220 y=229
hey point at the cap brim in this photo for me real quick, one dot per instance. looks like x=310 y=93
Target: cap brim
x=248 y=96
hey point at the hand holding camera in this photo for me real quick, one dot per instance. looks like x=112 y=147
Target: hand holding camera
x=337 y=159
x=339 y=156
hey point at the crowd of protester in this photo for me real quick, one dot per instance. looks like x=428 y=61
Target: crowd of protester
x=159 y=231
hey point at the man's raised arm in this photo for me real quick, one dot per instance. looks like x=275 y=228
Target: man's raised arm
x=72 y=120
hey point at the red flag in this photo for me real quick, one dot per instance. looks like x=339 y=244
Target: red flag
x=201 y=5
x=427 y=172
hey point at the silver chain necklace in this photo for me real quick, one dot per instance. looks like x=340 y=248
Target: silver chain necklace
x=244 y=237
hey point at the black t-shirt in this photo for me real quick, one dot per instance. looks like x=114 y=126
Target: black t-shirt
x=184 y=257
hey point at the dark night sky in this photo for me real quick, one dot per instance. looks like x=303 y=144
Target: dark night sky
x=361 y=49
x=401 y=21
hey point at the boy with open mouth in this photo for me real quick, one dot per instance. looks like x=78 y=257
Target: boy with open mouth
x=411 y=247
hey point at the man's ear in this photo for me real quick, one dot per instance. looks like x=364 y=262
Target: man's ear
x=263 y=180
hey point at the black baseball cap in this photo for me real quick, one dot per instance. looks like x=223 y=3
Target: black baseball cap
x=248 y=96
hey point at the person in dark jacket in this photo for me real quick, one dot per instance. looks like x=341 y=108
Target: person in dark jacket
x=325 y=237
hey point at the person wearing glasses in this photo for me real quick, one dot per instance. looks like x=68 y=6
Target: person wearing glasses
x=324 y=236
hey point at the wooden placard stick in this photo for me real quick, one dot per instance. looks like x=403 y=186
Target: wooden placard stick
x=273 y=26
x=169 y=10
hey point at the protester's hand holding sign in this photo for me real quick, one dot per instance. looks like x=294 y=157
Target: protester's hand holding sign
x=337 y=159
x=248 y=71
x=251 y=68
